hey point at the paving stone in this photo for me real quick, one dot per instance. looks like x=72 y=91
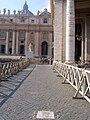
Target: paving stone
x=1 y=118
x=9 y=86
x=42 y=90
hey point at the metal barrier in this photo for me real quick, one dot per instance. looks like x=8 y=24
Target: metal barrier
x=79 y=78
x=10 y=68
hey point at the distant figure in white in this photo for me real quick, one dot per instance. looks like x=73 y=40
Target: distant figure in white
x=30 y=47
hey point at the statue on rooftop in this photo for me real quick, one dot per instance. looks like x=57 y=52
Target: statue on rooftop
x=4 y=11
x=8 y=12
x=38 y=12
x=14 y=12
x=19 y=12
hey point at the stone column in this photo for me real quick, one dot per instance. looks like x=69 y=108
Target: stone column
x=36 y=43
x=7 y=42
x=70 y=31
x=86 y=39
x=26 y=42
x=82 y=43
x=17 y=43
x=58 y=30
x=13 y=43
x=39 y=43
x=50 y=44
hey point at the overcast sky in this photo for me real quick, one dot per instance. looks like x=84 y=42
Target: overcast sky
x=34 y=5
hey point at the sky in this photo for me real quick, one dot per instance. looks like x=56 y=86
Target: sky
x=33 y=5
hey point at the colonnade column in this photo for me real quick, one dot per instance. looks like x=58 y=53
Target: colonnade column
x=7 y=42
x=17 y=43
x=86 y=39
x=82 y=43
x=58 y=30
x=36 y=43
x=13 y=43
x=70 y=31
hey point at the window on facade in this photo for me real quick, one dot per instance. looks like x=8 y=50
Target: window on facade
x=2 y=34
x=44 y=35
x=45 y=20
x=32 y=21
x=22 y=41
x=22 y=19
x=22 y=35
x=2 y=48
x=11 y=20
x=32 y=35
x=10 y=41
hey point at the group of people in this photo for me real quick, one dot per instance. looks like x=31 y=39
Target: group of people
x=47 y=60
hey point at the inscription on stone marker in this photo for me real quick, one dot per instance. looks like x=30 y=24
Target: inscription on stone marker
x=45 y=115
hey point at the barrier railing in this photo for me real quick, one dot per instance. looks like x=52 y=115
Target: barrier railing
x=7 y=69
x=79 y=78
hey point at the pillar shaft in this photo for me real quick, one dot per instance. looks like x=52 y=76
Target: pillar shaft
x=13 y=43
x=7 y=43
x=36 y=43
x=86 y=40
x=70 y=31
x=58 y=30
x=26 y=42
x=50 y=44
x=17 y=43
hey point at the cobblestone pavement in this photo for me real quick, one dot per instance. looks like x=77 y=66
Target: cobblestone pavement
x=42 y=90
x=10 y=85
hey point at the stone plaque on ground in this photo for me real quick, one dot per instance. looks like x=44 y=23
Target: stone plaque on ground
x=45 y=115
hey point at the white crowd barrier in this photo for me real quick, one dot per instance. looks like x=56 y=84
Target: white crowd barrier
x=79 y=78
x=7 y=69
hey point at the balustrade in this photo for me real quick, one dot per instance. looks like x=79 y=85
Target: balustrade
x=79 y=78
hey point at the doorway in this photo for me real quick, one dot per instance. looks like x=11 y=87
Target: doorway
x=2 y=48
x=44 y=48
x=10 y=50
x=22 y=49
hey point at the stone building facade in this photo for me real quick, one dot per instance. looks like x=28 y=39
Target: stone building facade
x=71 y=30
x=18 y=30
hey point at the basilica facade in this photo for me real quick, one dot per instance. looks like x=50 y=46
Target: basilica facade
x=21 y=29
x=71 y=22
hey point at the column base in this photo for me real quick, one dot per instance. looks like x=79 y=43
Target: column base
x=70 y=63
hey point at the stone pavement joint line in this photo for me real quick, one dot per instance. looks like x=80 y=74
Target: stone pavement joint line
x=8 y=87
x=41 y=91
